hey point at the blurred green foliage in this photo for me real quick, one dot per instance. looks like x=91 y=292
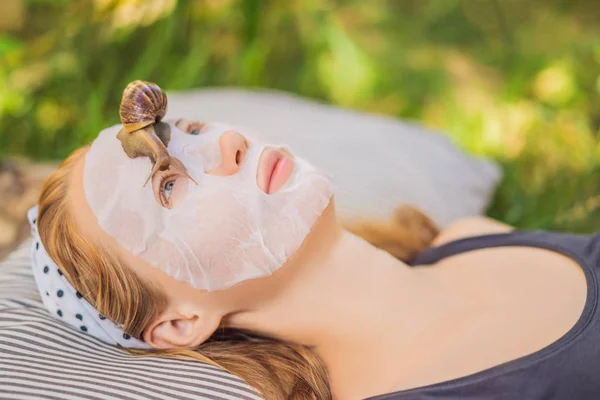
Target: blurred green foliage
x=515 y=80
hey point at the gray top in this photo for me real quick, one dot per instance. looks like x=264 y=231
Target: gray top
x=568 y=369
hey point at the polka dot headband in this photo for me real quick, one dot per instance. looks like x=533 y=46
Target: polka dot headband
x=66 y=304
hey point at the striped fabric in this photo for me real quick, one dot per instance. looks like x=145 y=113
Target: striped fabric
x=41 y=358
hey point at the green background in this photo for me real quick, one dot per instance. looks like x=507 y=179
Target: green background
x=515 y=80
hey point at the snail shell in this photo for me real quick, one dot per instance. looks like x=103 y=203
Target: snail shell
x=143 y=106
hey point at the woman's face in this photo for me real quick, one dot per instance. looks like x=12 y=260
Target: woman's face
x=238 y=212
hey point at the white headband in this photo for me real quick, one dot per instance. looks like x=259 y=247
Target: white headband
x=66 y=304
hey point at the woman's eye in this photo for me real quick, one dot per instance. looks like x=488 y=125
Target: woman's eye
x=190 y=127
x=171 y=189
x=167 y=189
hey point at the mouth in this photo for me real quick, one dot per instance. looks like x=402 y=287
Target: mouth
x=274 y=169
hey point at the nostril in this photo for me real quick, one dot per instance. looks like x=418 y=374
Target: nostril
x=238 y=157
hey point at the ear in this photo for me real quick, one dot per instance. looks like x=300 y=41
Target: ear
x=174 y=330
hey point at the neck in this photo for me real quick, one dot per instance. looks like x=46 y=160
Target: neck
x=339 y=294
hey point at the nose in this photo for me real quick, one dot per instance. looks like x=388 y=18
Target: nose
x=234 y=147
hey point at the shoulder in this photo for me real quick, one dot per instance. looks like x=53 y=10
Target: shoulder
x=470 y=226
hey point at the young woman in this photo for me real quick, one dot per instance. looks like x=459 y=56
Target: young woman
x=232 y=254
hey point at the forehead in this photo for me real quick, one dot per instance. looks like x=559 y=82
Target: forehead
x=108 y=172
x=87 y=225
x=107 y=161
x=79 y=208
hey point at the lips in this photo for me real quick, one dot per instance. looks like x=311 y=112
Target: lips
x=274 y=169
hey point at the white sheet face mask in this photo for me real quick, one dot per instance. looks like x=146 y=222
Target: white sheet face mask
x=222 y=231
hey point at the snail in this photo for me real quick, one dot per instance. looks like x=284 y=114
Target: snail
x=143 y=106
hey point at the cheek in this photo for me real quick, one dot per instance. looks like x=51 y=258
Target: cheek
x=217 y=235
x=225 y=226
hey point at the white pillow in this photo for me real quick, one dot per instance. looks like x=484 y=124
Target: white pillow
x=43 y=358
x=377 y=162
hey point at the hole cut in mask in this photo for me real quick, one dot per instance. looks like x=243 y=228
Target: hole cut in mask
x=225 y=229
